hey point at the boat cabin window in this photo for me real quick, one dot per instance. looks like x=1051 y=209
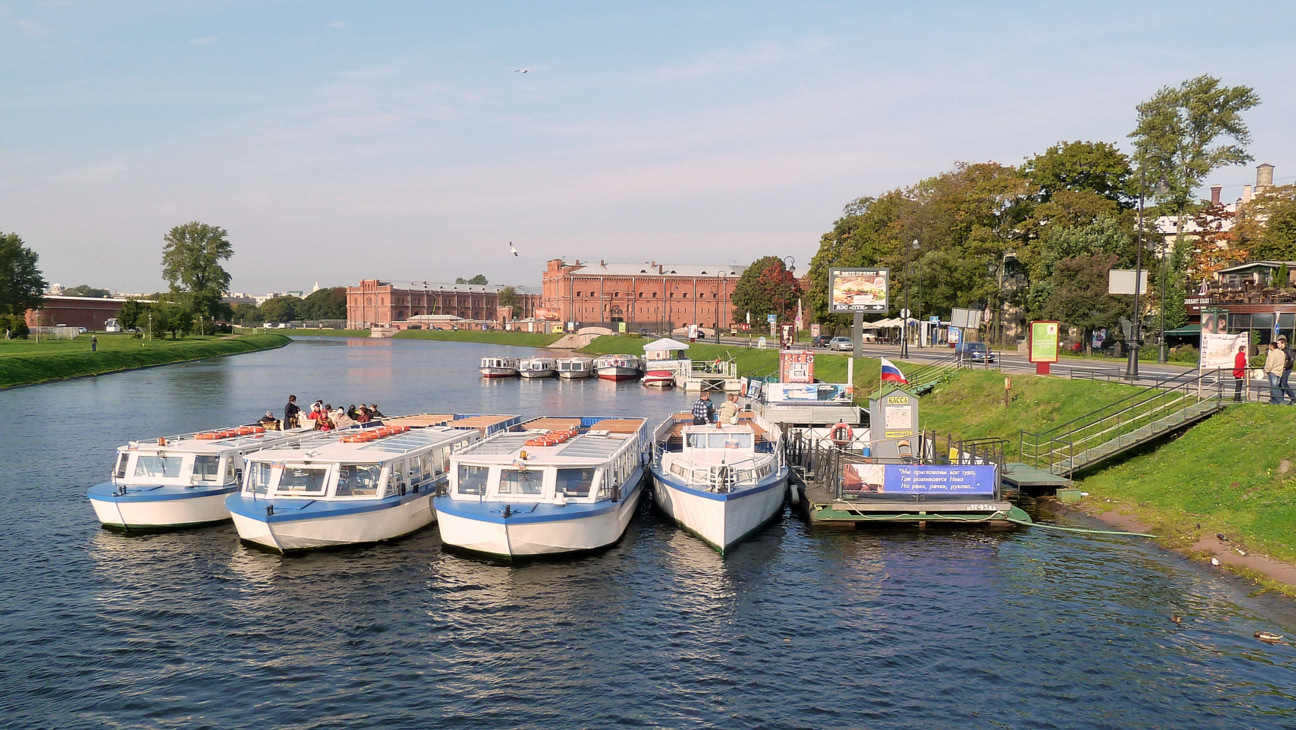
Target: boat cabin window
x=517 y=481
x=472 y=479
x=359 y=480
x=258 y=478
x=206 y=468
x=119 y=471
x=156 y=466
x=574 y=482
x=720 y=440
x=397 y=477
x=304 y=480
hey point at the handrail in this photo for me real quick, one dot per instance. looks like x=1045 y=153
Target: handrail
x=1139 y=393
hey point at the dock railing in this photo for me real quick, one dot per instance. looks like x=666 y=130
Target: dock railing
x=821 y=461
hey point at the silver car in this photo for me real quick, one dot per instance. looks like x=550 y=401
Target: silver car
x=841 y=343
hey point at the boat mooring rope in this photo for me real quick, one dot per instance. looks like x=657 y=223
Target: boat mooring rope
x=1078 y=529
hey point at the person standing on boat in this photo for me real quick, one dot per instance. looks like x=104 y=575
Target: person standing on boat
x=291 y=413
x=728 y=412
x=1239 y=372
x=703 y=413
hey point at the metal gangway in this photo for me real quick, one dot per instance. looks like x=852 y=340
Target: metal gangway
x=1149 y=414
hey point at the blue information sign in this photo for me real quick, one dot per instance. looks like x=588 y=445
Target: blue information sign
x=937 y=479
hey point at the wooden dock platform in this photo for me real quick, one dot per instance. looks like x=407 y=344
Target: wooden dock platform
x=1025 y=478
x=819 y=507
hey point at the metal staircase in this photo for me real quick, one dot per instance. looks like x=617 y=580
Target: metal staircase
x=1133 y=421
x=924 y=378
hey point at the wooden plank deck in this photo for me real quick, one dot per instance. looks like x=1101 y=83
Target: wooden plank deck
x=421 y=420
x=481 y=423
x=1021 y=476
x=686 y=419
x=550 y=423
x=618 y=425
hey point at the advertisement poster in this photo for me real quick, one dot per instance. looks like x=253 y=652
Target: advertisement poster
x=1219 y=350
x=1044 y=341
x=815 y=330
x=1214 y=322
x=547 y=314
x=857 y=290
x=805 y=393
x=796 y=366
x=927 y=480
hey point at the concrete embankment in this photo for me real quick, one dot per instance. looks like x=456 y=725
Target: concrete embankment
x=27 y=362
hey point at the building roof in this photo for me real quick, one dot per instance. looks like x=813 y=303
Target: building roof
x=1256 y=265
x=468 y=288
x=615 y=269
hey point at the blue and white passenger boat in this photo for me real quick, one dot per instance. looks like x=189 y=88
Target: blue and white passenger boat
x=561 y=485
x=179 y=481
x=722 y=482
x=352 y=487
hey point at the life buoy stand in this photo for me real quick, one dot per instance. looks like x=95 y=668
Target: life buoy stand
x=841 y=434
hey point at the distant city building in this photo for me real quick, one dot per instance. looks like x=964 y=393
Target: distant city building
x=645 y=295
x=1167 y=225
x=377 y=303
x=88 y=312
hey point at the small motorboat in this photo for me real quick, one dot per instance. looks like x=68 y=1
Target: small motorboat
x=573 y=368
x=617 y=367
x=179 y=481
x=721 y=482
x=499 y=367
x=561 y=485
x=352 y=486
x=659 y=379
x=537 y=367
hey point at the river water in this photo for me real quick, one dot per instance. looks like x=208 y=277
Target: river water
x=796 y=628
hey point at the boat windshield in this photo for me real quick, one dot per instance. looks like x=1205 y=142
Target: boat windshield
x=720 y=440
x=119 y=471
x=259 y=474
x=518 y=481
x=207 y=468
x=472 y=479
x=302 y=480
x=359 y=480
x=574 y=482
x=157 y=466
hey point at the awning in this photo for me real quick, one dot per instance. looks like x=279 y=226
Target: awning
x=665 y=344
x=1188 y=330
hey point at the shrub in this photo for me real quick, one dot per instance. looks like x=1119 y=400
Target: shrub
x=16 y=324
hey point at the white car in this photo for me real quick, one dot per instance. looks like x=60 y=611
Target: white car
x=841 y=343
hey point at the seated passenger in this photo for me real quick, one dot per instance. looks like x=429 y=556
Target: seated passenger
x=269 y=422
x=351 y=412
x=340 y=419
x=362 y=416
x=374 y=412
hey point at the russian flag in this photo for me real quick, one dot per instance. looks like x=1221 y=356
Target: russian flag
x=891 y=373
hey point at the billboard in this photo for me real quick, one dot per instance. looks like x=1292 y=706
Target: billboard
x=806 y=392
x=857 y=290
x=547 y=313
x=1218 y=350
x=1044 y=341
x=1122 y=281
x=796 y=366
x=917 y=479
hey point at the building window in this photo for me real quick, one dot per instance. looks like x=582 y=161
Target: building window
x=654 y=295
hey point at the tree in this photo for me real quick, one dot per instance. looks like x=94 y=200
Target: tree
x=21 y=282
x=134 y=313
x=1266 y=227
x=1079 y=295
x=85 y=290
x=478 y=279
x=508 y=297
x=766 y=288
x=172 y=317
x=281 y=309
x=191 y=260
x=1094 y=167
x=244 y=313
x=324 y=304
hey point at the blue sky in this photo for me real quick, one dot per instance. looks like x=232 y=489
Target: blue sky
x=339 y=141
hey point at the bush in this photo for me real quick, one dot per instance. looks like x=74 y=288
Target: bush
x=16 y=324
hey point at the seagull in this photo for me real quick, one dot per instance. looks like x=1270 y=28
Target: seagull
x=520 y=70
x=512 y=248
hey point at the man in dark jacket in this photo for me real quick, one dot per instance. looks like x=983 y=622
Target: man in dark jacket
x=702 y=410
x=291 y=413
x=1286 y=373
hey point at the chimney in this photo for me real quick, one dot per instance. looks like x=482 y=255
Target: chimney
x=602 y=263
x=1215 y=194
x=1264 y=176
x=1246 y=194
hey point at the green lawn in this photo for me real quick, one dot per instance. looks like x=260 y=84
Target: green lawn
x=24 y=362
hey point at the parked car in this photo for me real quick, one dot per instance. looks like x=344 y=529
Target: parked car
x=81 y=330
x=841 y=343
x=975 y=351
x=820 y=341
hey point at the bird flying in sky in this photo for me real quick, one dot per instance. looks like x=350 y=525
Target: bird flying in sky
x=521 y=70
x=512 y=248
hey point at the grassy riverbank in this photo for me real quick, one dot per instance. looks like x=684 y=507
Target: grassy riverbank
x=26 y=362
x=494 y=337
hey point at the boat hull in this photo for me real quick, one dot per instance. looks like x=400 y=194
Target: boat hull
x=617 y=373
x=518 y=537
x=159 y=508
x=574 y=374
x=659 y=379
x=499 y=373
x=289 y=530
x=720 y=520
x=536 y=374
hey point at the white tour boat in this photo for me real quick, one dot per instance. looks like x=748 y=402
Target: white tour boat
x=562 y=485
x=659 y=379
x=575 y=367
x=617 y=367
x=351 y=487
x=179 y=481
x=499 y=367
x=537 y=367
x=721 y=482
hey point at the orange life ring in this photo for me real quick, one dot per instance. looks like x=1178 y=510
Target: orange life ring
x=258 y=429
x=205 y=436
x=245 y=431
x=841 y=434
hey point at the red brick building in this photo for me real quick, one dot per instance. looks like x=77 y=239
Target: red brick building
x=379 y=303
x=649 y=295
x=88 y=312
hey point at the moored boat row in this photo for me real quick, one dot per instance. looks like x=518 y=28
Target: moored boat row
x=606 y=367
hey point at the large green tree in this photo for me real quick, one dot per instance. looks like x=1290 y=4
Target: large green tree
x=508 y=297
x=1093 y=167
x=21 y=281
x=191 y=264
x=281 y=309
x=1079 y=297
x=85 y=290
x=766 y=288
x=324 y=304
x=1266 y=227
x=1101 y=239
x=478 y=279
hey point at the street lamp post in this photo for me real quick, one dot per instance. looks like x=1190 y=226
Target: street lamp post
x=789 y=263
x=1131 y=368
x=904 y=314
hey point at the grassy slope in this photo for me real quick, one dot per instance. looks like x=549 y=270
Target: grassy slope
x=23 y=362
x=524 y=339
x=1221 y=474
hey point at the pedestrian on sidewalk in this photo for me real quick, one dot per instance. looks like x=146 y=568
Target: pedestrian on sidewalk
x=1239 y=372
x=1273 y=369
x=1287 y=368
